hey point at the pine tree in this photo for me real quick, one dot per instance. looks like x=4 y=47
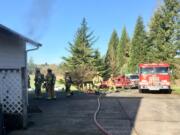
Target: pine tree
x=138 y=48
x=123 y=52
x=82 y=54
x=31 y=66
x=177 y=31
x=162 y=33
x=111 y=56
x=99 y=63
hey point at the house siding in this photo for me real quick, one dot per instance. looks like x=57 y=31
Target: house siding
x=12 y=52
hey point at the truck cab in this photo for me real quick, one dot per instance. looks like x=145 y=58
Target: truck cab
x=122 y=81
x=154 y=77
x=134 y=80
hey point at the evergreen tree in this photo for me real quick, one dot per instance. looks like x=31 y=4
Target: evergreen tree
x=163 y=32
x=177 y=31
x=80 y=63
x=123 y=52
x=138 y=48
x=99 y=63
x=31 y=66
x=111 y=55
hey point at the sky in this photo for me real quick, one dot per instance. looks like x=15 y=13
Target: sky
x=55 y=22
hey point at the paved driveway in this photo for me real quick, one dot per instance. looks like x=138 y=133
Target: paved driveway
x=154 y=114
x=124 y=113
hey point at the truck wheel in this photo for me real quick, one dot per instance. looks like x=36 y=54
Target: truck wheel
x=169 y=91
x=140 y=91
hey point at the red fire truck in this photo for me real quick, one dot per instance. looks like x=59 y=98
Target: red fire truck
x=120 y=81
x=154 y=77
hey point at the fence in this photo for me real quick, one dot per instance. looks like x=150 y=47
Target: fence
x=12 y=92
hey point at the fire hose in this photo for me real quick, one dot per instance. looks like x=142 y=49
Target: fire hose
x=100 y=127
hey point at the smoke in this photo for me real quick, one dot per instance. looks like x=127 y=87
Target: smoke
x=38 y=17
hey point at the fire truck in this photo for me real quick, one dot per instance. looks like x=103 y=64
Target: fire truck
x=154 y=77
x=120 y=81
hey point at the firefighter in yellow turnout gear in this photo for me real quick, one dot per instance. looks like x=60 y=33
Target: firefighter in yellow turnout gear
x=111 y=83
x=97 y=81
x=68 y=83
x=39 y=79
x=50 y=80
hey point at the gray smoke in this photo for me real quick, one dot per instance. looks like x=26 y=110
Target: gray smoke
x=38 y=17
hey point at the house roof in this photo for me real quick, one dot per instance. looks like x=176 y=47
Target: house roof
x=9 y=31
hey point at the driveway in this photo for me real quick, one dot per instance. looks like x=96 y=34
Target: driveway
x=124 y=113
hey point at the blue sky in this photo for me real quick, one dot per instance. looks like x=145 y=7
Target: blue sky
x=56 y=29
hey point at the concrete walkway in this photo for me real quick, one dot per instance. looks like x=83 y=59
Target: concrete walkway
x=124 y=113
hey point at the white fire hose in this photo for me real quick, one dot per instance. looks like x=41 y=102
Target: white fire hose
x=104 y=131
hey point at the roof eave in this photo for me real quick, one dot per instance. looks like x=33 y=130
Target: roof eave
x=32 y=42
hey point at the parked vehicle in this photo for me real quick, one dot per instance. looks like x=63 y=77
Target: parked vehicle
x=154 y=77
x=104 y=85
x=122 y=81
x=134 y=80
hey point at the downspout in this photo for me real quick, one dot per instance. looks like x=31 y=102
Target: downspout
x=29 y=50
x=26 y=92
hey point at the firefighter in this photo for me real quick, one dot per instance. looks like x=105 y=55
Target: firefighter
x=39 y=79
x=68 y=83
x=50 y=81
x=97 y=81
x=123 y=81
x=111 y=83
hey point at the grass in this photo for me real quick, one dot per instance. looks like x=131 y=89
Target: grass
x=176 y=89
x=32 y=81
x=176 y=86
x=59 y=85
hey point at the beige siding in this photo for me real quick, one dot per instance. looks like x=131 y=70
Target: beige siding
x=12 y=52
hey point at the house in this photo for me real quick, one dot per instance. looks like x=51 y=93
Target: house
x=13 y=73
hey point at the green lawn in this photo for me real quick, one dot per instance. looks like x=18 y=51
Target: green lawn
x=32 y=81
x=73 y=88
x=176 y=89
